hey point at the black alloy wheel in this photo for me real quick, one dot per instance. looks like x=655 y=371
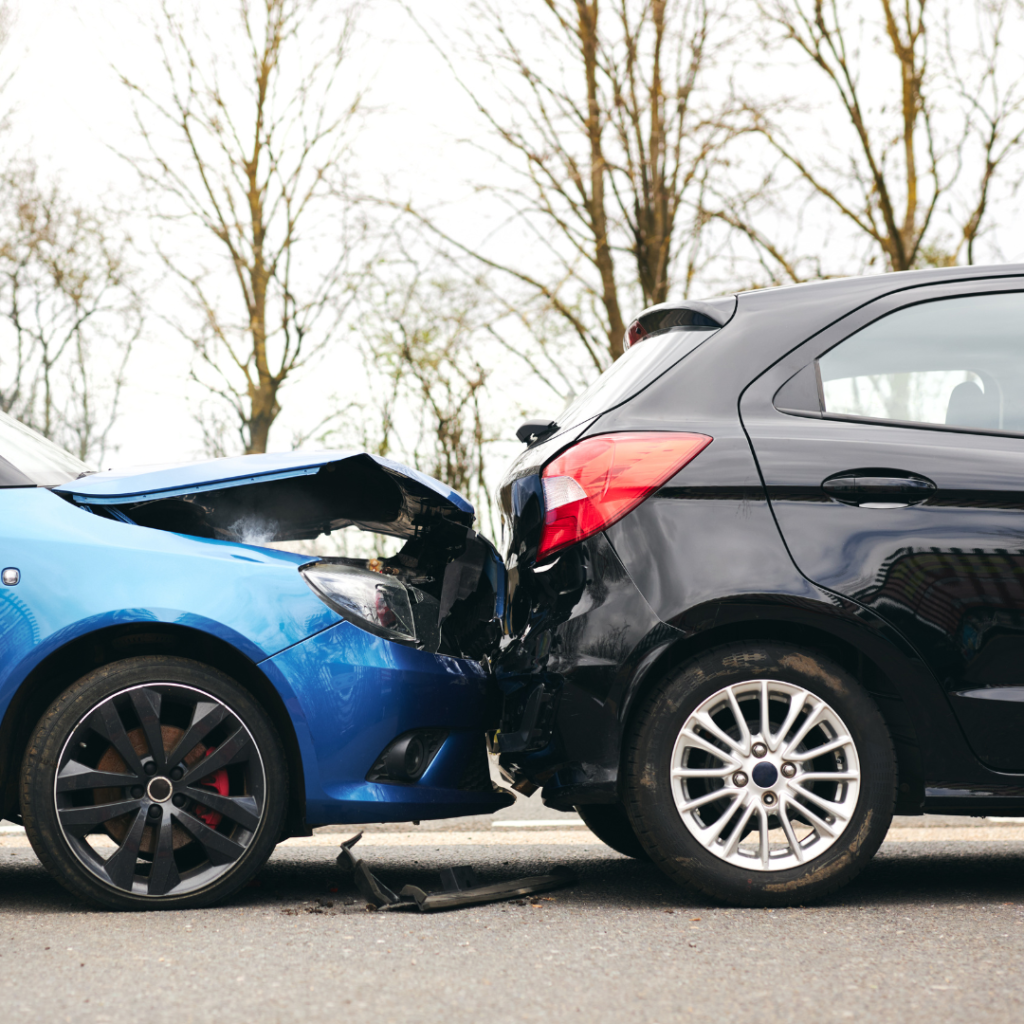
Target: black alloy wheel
x=610 y=823
x=154 y=783
x=760 y=774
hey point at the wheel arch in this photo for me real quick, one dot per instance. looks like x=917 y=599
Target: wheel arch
x=877 y=676
x=62 y=667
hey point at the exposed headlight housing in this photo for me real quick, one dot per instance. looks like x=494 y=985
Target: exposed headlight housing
x=380 y=604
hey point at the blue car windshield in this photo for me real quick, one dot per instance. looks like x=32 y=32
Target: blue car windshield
x=42 y=462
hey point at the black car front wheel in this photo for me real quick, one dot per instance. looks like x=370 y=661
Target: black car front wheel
x=762 y=775
x=153 y=783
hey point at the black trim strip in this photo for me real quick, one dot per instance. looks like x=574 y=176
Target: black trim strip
x=843 y=418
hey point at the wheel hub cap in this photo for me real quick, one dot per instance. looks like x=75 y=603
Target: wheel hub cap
x=159 y=789
x=765 y=775
x=173 y=777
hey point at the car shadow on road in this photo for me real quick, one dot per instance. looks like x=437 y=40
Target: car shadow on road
x=307 y=880
x=939 y=872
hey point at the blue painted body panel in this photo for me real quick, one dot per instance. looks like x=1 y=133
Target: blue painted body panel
x=348 y=693
x=144 y=482
x=80 y=572
x=357 y=693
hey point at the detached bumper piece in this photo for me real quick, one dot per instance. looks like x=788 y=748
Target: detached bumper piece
x=460 y=886
x=528 y=716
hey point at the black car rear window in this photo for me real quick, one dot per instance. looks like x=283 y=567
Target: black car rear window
x=639 y=366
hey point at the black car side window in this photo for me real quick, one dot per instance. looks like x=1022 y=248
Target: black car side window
x=950 y=362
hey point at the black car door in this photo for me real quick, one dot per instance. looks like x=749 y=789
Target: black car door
x=892 y=449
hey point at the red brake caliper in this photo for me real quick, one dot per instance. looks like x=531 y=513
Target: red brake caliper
x=217 y=780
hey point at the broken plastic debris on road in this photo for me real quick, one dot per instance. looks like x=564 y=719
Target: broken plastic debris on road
x=460 y=886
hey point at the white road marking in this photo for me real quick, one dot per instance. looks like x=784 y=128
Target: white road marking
x=424 y=839
x=567 y=837
x=438 y=839
x=537 y=822
x=953 y=834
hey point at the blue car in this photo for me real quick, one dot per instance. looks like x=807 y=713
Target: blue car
x=177 y=696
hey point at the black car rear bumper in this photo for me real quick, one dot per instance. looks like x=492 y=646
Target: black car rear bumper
x=567 y=679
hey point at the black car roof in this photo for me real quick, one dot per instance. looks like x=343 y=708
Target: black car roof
x=787 y=315
x=768 y=323
x=871 y=286
x=857 y=290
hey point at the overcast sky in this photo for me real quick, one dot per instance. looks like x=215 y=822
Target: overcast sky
x=72 y=114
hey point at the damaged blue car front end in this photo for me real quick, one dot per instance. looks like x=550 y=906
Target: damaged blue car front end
x=372 y=670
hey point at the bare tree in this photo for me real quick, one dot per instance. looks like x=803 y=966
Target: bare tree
x=924 y=111
x=425 y=367
x=243 y=153
x=602 y=113
x=70 y=310
x=7 y=19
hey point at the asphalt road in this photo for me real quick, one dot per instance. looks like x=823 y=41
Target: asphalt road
x=933 y=931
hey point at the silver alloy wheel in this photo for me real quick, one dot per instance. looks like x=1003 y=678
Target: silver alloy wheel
x=765 y=775
x=168 y=776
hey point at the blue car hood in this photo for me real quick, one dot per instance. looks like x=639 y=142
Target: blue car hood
x=286 y=495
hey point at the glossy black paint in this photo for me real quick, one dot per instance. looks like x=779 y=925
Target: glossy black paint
x=947 y=570
x=589 y=631
x=924 y=604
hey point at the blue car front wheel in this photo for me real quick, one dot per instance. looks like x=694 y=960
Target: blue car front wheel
x=154 y=782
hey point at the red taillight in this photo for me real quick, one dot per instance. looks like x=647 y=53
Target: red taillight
x=634 y=333
x=596 y=482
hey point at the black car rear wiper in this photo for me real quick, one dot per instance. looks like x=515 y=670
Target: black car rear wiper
x=534 y=431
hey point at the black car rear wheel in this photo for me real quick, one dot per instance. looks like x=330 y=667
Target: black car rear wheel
x=154 y=783
x=610 y=823
x=762 y=775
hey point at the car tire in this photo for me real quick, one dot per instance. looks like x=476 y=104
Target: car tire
x=786 y=828
x=171 y=763
x=610 y=823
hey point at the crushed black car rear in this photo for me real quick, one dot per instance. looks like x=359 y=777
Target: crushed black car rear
x=715 y=570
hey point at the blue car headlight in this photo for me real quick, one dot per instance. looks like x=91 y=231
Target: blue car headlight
x=380 y=604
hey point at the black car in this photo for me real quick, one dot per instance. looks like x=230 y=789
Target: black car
x=767 y=580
